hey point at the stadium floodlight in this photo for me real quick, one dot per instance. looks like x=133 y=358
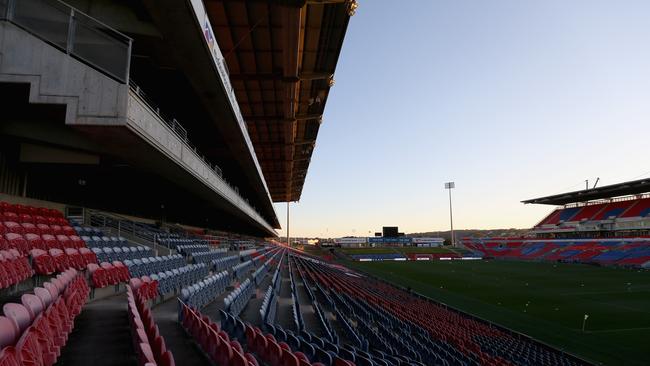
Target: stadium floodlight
x=449 y=186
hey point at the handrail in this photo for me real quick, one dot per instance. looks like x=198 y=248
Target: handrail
x=80 y=35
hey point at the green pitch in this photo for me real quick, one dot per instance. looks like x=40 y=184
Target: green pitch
x=546 y=301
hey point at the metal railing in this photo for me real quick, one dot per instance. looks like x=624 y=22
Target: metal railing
x=173 y=125
x=73 y=32
x=180 y=132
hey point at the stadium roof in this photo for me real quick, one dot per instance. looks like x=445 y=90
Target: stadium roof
x=281 y=56
x=604 y=192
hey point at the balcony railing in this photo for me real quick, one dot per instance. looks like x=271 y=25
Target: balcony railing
x=181 y=133
x=73 y=32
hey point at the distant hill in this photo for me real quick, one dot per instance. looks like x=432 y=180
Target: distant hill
x=473 y=233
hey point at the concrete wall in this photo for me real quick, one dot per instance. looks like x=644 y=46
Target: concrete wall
x=57 y=78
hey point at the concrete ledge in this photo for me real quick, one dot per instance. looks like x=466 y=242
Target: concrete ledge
x=150 y=127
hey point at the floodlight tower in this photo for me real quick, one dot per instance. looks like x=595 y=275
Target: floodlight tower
x=449 y=186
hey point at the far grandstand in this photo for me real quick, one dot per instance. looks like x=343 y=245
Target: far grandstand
x=608 y=225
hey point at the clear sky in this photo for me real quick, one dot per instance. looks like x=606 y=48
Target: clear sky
x=511 y=99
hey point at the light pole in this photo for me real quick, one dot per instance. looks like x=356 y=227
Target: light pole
x=449 y=186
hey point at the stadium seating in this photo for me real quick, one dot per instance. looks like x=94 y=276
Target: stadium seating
x=14 y=268
x=190 y=249
x=174 y=279
x=627 y=210
x=147 y=341
x=419 y=330
x=34 y=331
x=241 y=270
x=209 y=256
x=205 y=291
x=107 y=274
x=150 y=265
x=235 y=302
x=215 y=343
x=624 y=252
x=109 y=254
x=225 y=263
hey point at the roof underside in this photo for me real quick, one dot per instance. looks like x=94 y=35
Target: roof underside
x=604 y=192
x=281 y=57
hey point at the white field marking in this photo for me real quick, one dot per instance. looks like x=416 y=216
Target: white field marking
x=617 y=330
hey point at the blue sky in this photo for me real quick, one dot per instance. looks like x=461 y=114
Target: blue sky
x=510 y=99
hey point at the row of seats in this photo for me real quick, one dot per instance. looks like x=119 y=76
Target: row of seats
x=19 y=209
x=173 y=243
x=108 y=254
x=173 y=280
x=288 y=349
x=624 y=252
x=33 y=332
x=14 y=268
x=38 y=228
x=83 y=230
x=268 y=308
x=25 y=243
x=298 y=321
x=260 y=273
x=108 y=274
x=104 y=241
x=225 y=263
x=629 y=209
x=236 y=301
x=414 y=329
x=205 y=291
x=318 y=311
x=190 y=249
x=148 y=342
x=57 y=260
x=215 y=343
x=143 y=287
x=146 y=266
x=207 y=257
x=241 y=270
x=25 y=218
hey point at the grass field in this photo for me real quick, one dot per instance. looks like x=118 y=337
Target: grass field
x=403 y=250
x=546 y=301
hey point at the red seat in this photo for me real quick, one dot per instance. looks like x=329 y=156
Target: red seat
x=25 y=218
x=74 y=258
x=60 y=259
x=224 y=354
x=76 y=241
x=167 y=359
x=64 y=241
x=13 y=227
x=8 y=332
x=10 y=216
x=17 y=241
x=18 y=314
x=68 y=230
x=28 y=227
x=34 y=241
x=56 y=229
x=88 y=255
x=38 y=219
x=8 y=357
x=44 y=228
x=289 y=359
x=49 y=241
x=42 y=262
